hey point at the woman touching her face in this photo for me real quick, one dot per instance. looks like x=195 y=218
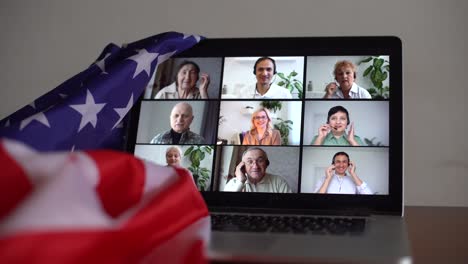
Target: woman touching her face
x=334 y=131
x=185 y=83
x=345 y=87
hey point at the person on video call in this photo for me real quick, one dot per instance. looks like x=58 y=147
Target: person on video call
x=173 y=156
x=341 y=178
x=345 y=74
x=184 y=87
x=180 y=119
x=251 y=175
x=264 y=70
x=334 y=131
x=261 y=131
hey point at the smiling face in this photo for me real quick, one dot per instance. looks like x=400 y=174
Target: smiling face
x=264 y=72
x=173 y=157
x=344 y=75
x=341 y=164
x=260 y=120
x=181 y=117
x=338 y=122
x=256 y=163
x=187 y=77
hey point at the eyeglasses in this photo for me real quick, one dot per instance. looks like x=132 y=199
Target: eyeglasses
x=260 y=161
x=260 y=117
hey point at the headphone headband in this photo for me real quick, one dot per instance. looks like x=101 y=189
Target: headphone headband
x=262 y=59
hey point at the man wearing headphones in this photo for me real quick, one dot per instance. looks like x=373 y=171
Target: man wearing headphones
x=341 y=177
x=251 y=175
x=264 y=70
x=345 y=74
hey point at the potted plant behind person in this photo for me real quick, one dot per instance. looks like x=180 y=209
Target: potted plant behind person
x=201 y=175
x=377 y=72
x=291 y=83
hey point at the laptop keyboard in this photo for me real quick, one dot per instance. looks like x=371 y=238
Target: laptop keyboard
x=287 y=224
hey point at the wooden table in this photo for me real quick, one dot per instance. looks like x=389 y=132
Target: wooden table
x=438 y=234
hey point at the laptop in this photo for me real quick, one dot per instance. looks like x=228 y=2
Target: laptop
x=281 y=133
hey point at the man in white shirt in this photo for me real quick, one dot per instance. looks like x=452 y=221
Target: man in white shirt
x=345 y=74
x=251 y=175
x=265 y=70
x=338 y=181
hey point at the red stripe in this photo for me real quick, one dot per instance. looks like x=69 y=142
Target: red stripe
x=195 y=254
x=122 y=179
x=167 y=214
x=172 y=210
x=14 y=183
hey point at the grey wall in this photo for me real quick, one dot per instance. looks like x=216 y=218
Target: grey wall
x=45 y=42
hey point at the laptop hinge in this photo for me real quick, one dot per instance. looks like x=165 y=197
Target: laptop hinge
x=344 y=212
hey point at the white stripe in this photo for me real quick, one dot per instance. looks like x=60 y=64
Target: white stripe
x=64 y=195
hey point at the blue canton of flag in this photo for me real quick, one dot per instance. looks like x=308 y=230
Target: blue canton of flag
x=86 y=111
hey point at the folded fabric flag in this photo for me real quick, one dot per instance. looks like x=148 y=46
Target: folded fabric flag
x=97 y=207
x=86 y=111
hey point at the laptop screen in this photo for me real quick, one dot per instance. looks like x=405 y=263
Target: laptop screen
x=280 y=123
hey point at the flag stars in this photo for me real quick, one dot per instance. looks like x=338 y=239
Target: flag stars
x=40 y=117
x=102 y=64
x=196 y=37
x=143 y=60
x=88 y=111
x=123 y=111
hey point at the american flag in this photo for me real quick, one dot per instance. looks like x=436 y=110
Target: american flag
x=99 y=206
x=87 y=111
x=96 y=206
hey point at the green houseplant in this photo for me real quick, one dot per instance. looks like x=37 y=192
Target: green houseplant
x=272 y=105
x=377 y=72
x=370 y=142
x=291 y=83
x=284 y=126
x=200 y=174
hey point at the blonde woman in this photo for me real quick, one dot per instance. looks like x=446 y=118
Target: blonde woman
x=261 y=131
x=173 y=156
x=345 y=75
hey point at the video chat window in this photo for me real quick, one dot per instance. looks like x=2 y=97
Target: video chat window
x=155 y=120
x=372 y=74
x=371 y=167
x=225 y=121
x=169 y=75
x=281 y=164
x=238 y=120
x=240 y=77
x=181 y=155
x=368 y=120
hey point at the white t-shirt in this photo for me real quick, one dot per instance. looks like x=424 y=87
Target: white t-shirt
x=343 y=185
x=356 y=92
x=275 y=92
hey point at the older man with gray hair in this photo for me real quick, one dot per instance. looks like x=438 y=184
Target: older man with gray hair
x=181 y=118
x=251 y=175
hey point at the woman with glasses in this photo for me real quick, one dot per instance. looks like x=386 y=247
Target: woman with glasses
x=261 y=131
